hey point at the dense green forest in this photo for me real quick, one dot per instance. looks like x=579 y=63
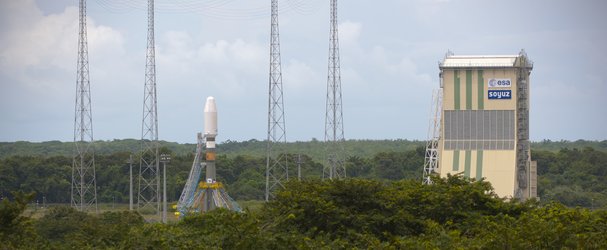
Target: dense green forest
x=572 y=176
x=314 y=148
x=453 y=213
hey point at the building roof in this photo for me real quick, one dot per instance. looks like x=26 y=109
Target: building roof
x=484 y=61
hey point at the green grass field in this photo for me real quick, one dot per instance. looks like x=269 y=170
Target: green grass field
x=36 y=211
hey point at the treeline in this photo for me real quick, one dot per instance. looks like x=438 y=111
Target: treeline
x=574 y=177
x=243 y=176
x=453 y=213
x=314 y=148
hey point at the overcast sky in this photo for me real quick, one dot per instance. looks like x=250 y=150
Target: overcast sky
x=390 y=51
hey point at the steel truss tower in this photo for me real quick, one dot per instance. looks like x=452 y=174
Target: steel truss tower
x=84 y=184
x=276 y=160
x=431 y=156
x=523 y=154
x=334 y=127
x=148 y=199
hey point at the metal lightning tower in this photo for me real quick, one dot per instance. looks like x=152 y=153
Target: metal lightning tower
x=148 y=198
x=84 y=184
x=276 y=161
x=431 y=156
x=334 y=127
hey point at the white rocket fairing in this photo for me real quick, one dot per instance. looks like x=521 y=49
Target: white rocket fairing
x=210 y=117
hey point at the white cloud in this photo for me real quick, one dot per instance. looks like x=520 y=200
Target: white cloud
x=38 y=65
x=49 y=42
x=214 y=52
x=298 y=75
x=225 y=66
x=349 y=32
x=52 y=40
x=228 y=66
x=245 y=55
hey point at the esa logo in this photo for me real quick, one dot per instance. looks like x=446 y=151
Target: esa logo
x=500 y=94
x=499 y=83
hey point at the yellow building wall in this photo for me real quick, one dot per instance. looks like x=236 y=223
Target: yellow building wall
x=449 y=89
x=497 y=166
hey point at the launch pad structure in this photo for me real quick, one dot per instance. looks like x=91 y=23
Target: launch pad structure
x=199 y=196
x=197 y=193
x=432 y=151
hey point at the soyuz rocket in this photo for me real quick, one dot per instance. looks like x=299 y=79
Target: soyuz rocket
x=202 y=195
x=210 y=132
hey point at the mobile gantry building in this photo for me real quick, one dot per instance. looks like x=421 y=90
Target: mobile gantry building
x=485 y=122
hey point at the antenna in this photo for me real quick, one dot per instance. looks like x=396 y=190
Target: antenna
x=84 y=184
x=148 y=198
x=334 y=126
x=276 y=160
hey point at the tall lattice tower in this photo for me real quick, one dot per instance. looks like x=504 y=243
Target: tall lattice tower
x=148 y=199
x=334 y=126
x=431 y=156
x=276 y=160
x=84 y=184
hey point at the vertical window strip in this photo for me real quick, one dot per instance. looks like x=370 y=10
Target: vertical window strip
x=467 y=163
x=481 y=90
x=456 y=89
x=479 y=165
x=468 y=89
x=456 y=160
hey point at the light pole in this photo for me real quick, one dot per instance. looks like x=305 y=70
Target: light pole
x=164 y=158
x=130 y=182
x=299 y=167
